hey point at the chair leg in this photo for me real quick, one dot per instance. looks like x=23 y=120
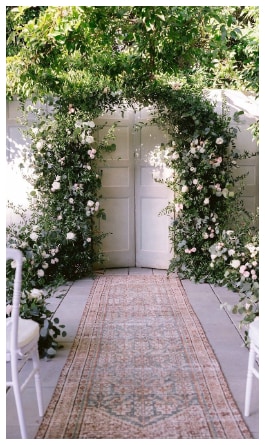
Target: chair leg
x=251 y=363
x=18 y=399
x=38 y=386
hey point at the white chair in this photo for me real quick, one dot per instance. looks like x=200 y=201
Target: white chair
x=21 y=345
x=253 y=354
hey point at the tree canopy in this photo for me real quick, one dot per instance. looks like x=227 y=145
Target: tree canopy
x=62 y=49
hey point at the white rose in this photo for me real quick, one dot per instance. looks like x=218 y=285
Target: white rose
x=39 y=145
x=206 y=201
x=34 y=236
x=8 y=309
x=89 y=139
x=184 y=189
x=225 y=192
x=40 y=273
x=235 y=264
x=36 y=293
x=70 y=236
x=219 y=141
x=55 y=186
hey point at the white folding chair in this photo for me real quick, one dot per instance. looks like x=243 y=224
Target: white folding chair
x=21 y=345
x=252 y=367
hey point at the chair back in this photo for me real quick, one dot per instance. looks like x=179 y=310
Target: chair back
x=15 y=255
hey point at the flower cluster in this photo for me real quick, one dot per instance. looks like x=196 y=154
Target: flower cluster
x=34 y=304
x=40 y=256
x=239 y=263
x=64 y=155
x=59 y=239
x=201 y=181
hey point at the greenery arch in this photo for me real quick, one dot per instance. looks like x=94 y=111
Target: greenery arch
x=62 y=237
x=63 y=173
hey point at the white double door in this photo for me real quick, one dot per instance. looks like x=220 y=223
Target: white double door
x=132 y=199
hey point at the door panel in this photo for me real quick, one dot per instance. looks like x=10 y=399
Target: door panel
x=118 y=193
x=152 y=233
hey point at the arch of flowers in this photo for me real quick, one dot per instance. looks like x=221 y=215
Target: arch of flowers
x=62 y=236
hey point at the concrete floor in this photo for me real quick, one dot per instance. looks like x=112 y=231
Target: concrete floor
x=220 y=326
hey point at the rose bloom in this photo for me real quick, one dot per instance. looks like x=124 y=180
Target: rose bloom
x=242 y=268
x=13 y=264
x=195 y=181
x=184 y=189
x=88 y=240
x=34 y=236
x=36 y=293
x=39 y=145
x=231 y=252
x=235 y=264
x=71 y=201
x=45 y=265
x=206 y=201
x=40 y=273
x=70 y=236
x=55 y=186
x=89 y=139
x=178 y=207
x=219 y=141
x=8 y=309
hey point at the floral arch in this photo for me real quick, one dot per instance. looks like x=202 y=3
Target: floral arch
x=62 y=236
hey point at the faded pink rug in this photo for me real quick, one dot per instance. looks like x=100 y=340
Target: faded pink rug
x=141 y=367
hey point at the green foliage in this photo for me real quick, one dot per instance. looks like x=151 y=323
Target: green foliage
x=34 y=305
x=94 y=58
x=49 y=48
x=235 y=264
x=61 y=165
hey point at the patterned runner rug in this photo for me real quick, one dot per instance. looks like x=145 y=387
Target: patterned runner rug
x=141 y=367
